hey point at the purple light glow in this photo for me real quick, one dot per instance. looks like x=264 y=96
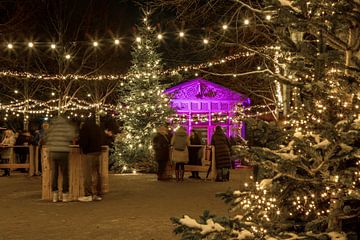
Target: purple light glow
x=199 y=96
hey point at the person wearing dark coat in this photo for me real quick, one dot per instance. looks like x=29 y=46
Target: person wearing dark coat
x=161 y=146
x=194 y=152
x=22 y=152
x=222 y=154
x=91 y=138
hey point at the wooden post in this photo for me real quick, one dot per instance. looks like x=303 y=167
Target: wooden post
x=213 y=163
x=104 y=168
x=31 y=160
x=46 y=174
x=36 y=159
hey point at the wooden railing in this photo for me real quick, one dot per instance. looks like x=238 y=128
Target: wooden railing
x=31 y=162
x=207 y=162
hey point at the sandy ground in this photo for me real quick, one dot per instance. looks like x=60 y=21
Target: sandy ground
x=137 y=207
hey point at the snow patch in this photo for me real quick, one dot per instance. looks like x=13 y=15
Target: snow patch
x=298 y=135
x=356 y=124
x=207 y=228
x=270 y=238
x=239 y=217
x=345 y=148
x=288 y=3
x=337 y=236
x=265 y=183
x=244 y=234
x=236 y=193
x=316 y=137
x=323 y=144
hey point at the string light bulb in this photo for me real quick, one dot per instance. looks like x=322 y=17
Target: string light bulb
x=10 y=46
x=52 y=46
x=205 y=41
x=116 y=41
x=181 y=34
x=224 y=26
x=268 y=17
x=30 y=44
x=138 y=39
x=159 y=36
x=246 y=21
x=95 y=44
x=67 y=56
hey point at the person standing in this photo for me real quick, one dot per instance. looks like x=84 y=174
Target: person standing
x=222 y=154
x=91 y=138
x=23 y=140
x=40 y=137
x=161 y=146
x=58 y=138
x=180 y=153
x=194 y=152
x=8 y=141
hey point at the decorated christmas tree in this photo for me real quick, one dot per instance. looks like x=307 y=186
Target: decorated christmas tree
x=143 y=107
x=311 y=189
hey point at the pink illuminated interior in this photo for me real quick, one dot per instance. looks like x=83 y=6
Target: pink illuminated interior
x=203 y=105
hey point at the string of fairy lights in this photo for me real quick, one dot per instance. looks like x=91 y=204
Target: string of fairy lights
x=172 y=71
x=48 y=108
x=237 y=115
x=73 y=104
x=53 y=46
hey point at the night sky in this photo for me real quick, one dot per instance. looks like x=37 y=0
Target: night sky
x=80 y=22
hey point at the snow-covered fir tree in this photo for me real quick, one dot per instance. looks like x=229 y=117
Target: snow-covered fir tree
x=143 y=107
x=311 y=188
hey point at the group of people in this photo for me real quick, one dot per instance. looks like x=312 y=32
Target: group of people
x=90 y=138
x=58 y=136
x=21 y=138
x=181 y=149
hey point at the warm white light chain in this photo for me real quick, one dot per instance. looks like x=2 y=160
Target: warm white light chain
x=32 y=106
x=185 y=68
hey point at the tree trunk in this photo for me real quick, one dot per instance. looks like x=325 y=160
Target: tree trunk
x=335 y=223
x=97 y=115
x=352 y=42
x=26 y=119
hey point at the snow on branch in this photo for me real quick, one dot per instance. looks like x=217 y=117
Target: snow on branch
x=244 y=234
x=207 y=228
x=288 y=3
x=323 y=144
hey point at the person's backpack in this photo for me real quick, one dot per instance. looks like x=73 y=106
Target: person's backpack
x=180 y=142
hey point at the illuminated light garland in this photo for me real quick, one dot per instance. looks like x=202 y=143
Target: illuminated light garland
x=30 y=106
x=173 y=71
x=222 y=117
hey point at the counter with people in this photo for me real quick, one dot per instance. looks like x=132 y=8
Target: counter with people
x=76 y=167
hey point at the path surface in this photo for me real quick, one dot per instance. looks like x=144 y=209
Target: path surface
x=137 y=208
